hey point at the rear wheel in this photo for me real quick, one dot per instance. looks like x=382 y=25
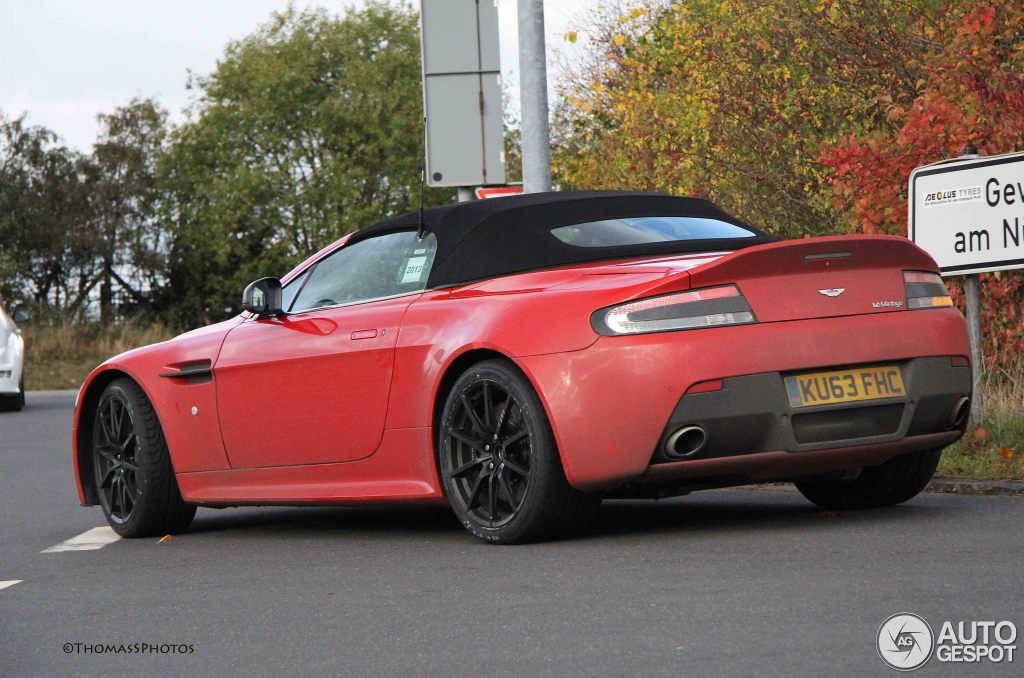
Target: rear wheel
x=132 y=468
x=499 y=463
x=897 y=480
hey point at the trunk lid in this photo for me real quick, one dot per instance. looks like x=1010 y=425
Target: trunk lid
x=818 y=277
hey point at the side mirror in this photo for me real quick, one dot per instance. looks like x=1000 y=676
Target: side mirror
x=21 y=314
x=263 y=297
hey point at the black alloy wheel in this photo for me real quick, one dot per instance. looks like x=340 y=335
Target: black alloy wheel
x=488 y=451
x=499 y=463
x=116 y=447
x=132 y=470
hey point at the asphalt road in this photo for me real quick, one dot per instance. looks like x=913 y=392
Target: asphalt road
x=730 y=582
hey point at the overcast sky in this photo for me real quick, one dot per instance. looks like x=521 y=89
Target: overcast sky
x=64 y=61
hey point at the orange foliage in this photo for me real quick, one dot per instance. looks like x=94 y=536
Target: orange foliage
x=972 y=92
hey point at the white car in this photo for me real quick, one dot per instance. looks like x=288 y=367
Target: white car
x=12 y=361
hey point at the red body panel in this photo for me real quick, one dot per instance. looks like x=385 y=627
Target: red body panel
x=338 y=405
x=311 y=388
x=394 y=472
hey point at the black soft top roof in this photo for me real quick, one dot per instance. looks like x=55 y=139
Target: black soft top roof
x=500 y=236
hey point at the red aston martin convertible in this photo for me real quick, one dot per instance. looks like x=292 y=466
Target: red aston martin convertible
x=521 y=359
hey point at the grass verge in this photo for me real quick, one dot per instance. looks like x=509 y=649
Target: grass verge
x=994 y=450
x=60 y=356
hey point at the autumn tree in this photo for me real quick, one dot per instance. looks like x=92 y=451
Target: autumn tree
x=971 y=91
x=732 y=101
x=804 y=117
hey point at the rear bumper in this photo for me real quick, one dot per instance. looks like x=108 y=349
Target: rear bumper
x=752 y=413
x=761 y=467
x=611 y=405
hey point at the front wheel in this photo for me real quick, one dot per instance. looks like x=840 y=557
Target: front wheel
x=499 y=463
x=132 y=467
x=897 y=480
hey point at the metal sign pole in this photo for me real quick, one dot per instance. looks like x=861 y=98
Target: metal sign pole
x=533 y=97
x=972 y=292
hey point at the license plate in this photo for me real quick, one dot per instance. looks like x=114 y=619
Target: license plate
x=845 y=386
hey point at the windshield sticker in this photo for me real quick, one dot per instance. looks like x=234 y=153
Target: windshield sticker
x=414 y=269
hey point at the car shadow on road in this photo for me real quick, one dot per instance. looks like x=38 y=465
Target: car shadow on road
x=342 y=521
x=726 y=511
x=723 y=514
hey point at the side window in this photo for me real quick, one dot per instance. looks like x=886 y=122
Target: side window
x=383 y=266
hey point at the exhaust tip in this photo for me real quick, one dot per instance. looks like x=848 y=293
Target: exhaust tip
x=685 y=442
x=958 y=415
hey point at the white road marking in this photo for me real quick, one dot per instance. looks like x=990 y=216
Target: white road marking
x=90 y=540
x=5 y=584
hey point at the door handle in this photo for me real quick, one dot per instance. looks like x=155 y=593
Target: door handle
x=363 y=334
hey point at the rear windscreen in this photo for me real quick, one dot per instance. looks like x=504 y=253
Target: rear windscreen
x=644 y=230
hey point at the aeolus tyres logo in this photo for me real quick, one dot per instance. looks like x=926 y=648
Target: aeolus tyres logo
x=953 y=195
x=905 y=641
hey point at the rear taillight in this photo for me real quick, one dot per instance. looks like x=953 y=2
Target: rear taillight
x=925 y=290
x=710 y=307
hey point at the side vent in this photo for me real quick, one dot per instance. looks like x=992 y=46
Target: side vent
x=192 y=372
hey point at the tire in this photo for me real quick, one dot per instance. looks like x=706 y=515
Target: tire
x=132 y=467
x=14 y=403
x=499 y=464
x=897 y=480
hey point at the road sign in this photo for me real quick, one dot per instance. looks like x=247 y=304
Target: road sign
x=462 y=92
x=969 y=213
x=498 y=191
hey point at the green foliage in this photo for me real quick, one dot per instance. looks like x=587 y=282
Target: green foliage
x=124 y=192
x=71 y=222
x=44 y=208
x=308 y=129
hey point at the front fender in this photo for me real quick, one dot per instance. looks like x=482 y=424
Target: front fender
x=186 y=409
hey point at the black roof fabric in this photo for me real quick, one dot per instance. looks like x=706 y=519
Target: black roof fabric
x=500 y=236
